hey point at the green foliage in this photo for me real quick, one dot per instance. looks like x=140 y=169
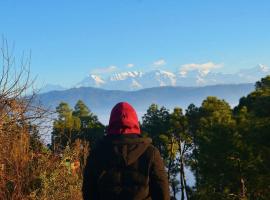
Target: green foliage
x=257 y=102
x=215 y=137
x=253 y=119
x=65 y=128
x=71 y=125
x=35 y=140
x=168 y=131
x=231 y=151
x=155 y=123
x=81 y=110
x=263 y=85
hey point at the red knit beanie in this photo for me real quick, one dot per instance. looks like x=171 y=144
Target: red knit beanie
x=123 y=120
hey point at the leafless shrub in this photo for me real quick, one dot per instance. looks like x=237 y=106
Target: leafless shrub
x=28 y=169
x=17 y=115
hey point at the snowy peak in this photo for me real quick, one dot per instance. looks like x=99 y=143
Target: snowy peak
x=164 y=73
x=135 y=85
x=264 y=68
x=125 y=75
x=91 y=81
x=259 y=69
x=160 y=78
x=254 y=74
x=98 y=80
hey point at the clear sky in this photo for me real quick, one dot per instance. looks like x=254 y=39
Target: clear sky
x=70 y=39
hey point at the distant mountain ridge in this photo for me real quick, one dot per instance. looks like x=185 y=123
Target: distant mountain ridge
x=51 y=87
x=135 y=80
x=101 y=101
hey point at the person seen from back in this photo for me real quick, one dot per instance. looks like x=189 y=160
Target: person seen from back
x=125 y=165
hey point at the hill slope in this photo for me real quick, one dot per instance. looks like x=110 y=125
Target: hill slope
x=101 y=101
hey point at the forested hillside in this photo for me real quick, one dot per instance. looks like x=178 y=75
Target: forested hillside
x=226 y=148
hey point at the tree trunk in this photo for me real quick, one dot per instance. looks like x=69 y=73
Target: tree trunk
x=183 y=181
x=169 y=168
x=170 y=162
x=181 y=172
x=243 y=188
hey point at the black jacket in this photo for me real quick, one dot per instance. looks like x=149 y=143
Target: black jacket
x=125 y=167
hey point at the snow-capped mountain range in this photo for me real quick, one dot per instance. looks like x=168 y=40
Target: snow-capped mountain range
x=134 y=80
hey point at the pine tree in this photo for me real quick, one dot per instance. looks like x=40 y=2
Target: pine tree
x=157 y=125
x=217 y=174
x=91 y=129
x=65 y=128
x=253 y=116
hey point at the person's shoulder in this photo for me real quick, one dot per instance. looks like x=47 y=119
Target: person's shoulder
x=151 y=151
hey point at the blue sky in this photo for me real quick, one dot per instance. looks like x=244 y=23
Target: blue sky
x=70 y=39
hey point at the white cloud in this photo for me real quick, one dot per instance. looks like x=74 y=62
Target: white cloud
x=130 y=65
x=104 y=70
x=203 y=68
x=159 y=63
